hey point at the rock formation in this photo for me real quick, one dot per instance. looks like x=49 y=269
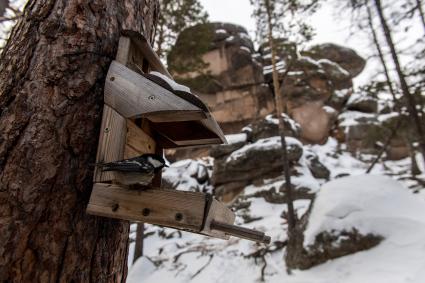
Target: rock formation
x=254 y=156
x=231 y=82
x=236 y=81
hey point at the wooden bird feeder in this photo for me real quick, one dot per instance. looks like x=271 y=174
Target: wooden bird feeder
x=145 y=114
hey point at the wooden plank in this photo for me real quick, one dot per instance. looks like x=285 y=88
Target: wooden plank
x=111 y=142
x=186 y=133
x=221 y=213
x=211 y=124
x=171 y=208
x=142 y=43
x=137 y=142
x=133 y=95
x=123 y=52
x=175 y=116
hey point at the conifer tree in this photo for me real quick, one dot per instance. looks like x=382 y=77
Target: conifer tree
x=175 y=16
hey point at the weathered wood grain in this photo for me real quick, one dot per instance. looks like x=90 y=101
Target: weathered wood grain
x=137 y=141
x=171 y=208
x=142 y=44
x=123 y=52
x=133 y=95
x=218 y=212
x=111 y=144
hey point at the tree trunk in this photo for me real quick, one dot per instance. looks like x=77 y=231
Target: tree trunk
x=138 y=246
x=421 y=12
x=52 y=73
x=279 y=111
x=381 y=55
x=404 y=87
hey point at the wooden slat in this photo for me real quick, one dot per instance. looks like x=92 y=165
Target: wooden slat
x=123 y=52
x=141 y=42
x=138 y=142
x=221 y=213
x=132 y=95
x=186 y=133
x=111 y=142
x=164 y=206
x=175 y=116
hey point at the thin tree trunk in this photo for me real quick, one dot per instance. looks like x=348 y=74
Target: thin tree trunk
x=138 y=249
x=384 y=147
x=381 y=55
x=52 y=73
x=404 y=87
x=279 y=111
x=421 y=12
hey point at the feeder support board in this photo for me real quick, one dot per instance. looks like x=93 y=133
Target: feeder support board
x=142 y=114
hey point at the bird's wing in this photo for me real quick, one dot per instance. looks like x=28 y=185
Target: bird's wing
x=128 y=166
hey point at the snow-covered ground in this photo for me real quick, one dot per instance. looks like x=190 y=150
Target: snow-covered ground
x=373 y=204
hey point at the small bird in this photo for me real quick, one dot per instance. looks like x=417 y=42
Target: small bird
x=137 y=170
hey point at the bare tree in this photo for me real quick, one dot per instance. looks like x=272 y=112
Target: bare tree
x=402 y=79
x=52 y=72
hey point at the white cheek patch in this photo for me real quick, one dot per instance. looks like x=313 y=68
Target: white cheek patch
x=155 y=162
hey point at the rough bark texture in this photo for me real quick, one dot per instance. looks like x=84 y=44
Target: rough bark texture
x=52 y=73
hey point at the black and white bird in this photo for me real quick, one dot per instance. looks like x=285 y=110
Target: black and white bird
x=137 y=170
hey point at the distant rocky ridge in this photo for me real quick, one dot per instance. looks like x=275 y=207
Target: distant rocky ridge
x=316 y=83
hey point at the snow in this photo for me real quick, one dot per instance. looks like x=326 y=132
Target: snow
x=296 y=73
x=230 y=38
x=244 y=35
x=236 y=138
x=223 y=31
x=175 y=86
x=329 y=110
x=365 y=202
x=377 y=205
x=262 y=145
x=244 y=48
x=388 y=116
x=372 y=203
x=184 y=175
x=350 y=118
x=335 y=65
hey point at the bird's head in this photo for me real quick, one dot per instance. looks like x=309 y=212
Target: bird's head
x=156 y=160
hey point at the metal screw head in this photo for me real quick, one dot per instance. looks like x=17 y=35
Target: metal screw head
x=178 y=216
x=146 y=211
x=151 y=97
x=106 y=130
x=112 y=79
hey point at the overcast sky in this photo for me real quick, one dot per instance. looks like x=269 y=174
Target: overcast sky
x=329 y=28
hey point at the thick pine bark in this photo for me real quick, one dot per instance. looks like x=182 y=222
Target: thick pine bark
x=51 y=95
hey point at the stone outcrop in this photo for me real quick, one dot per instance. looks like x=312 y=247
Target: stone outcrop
x=231 y=82
x=345 y=57
x=255 y=156
x=224 y=69
x=367 y=123
x=309 y=82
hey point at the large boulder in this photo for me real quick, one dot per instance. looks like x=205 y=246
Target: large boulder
x=315 y=119
x=223 y=69
x=354 y=214
x=345 y=57
x=269 y=127
x=363 y=103
x=257 y=160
